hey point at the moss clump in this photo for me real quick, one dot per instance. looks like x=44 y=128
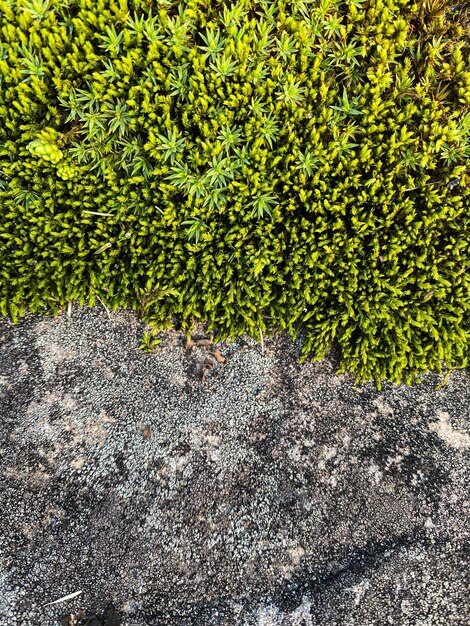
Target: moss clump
x=45 y=151
x=44 y=147
x=66 y=171
x=254 y=164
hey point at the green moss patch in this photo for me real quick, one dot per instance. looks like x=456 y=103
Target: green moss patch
x=258 y=165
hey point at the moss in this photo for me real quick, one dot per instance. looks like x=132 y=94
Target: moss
x=256 y=165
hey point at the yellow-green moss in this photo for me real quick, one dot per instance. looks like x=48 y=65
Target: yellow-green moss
x=256 y=165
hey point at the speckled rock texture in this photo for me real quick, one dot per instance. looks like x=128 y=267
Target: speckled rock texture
x=173 y=490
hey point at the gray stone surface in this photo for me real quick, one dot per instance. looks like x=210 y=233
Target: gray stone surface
x=263 y=494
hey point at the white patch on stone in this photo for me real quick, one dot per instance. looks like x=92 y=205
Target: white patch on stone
x=359 y=591
x=329 y=452
x=383 y=408
x=272 y=616
x=453 y=437
x=375 y=473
